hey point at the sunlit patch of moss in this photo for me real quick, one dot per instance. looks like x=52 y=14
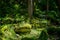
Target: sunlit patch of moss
x=44 y=21
x=35 y=23
x=26 y=25
x=3 y=38
x=8 y=32
x=4 y=28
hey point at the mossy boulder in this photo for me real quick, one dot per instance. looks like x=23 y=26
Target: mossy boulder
x=24 y=28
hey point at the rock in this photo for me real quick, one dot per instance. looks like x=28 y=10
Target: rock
x=24 y=28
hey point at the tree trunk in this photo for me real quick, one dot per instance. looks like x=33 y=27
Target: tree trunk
x=30 y=8
x=47 y=5
x=58 y=4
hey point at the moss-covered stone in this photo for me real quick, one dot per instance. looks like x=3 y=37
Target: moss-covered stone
x=24 y=28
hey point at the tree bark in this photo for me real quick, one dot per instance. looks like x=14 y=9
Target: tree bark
x=30 y=8
x=58 y=4
x=47 y=5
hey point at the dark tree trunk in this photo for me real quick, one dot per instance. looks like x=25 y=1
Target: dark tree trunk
x=58 y=4
x=47 y=5
x=30 y=8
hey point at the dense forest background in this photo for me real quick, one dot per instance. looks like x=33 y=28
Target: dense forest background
x=18 y=21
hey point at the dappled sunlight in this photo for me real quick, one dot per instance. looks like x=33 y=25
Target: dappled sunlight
x=29 y=20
